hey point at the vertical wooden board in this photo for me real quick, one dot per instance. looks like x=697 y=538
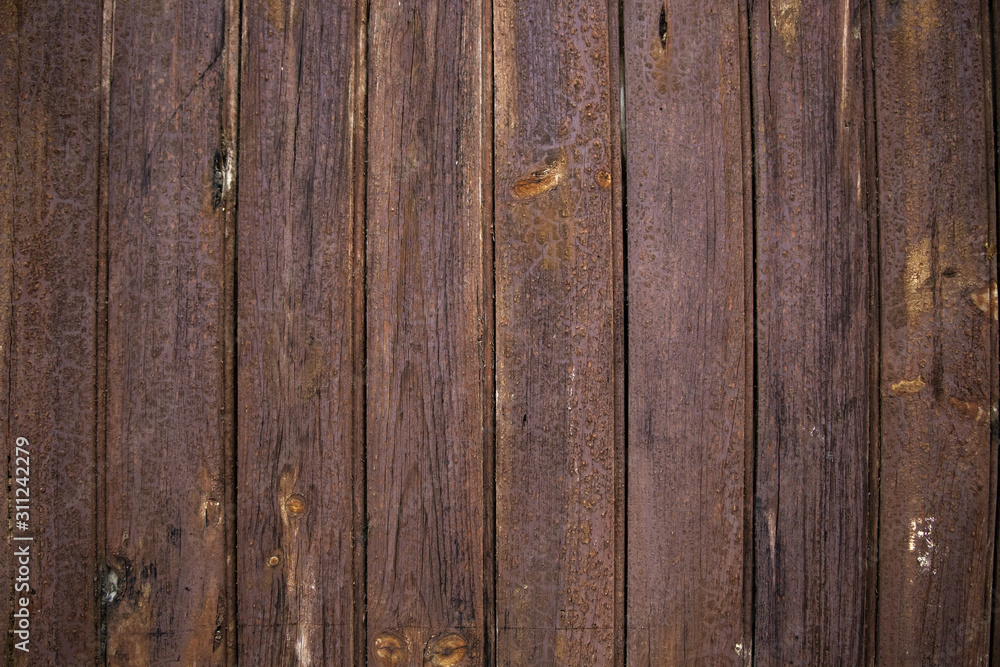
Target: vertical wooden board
x=687 y=326
x=50 y=102
x=813 y=332
x=939 y=359
x=10 y=74
x=555 y=455
x=169 y=179
x=995 y=384
x=425 y=323
x=296 y=325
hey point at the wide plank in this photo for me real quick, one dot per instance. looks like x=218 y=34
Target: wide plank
x=937 y=224
x=427 y=364
x=169 y=333
x=688 y=357
x=297 y=316
x=555 y=318
x=814 y=332
x=50 y=135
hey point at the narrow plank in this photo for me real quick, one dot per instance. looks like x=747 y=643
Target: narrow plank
x=813 y=332
x=296 y=328
x=555 y=374
x=994 y=421
x=687 y=321
x=425 y=323
x=616 y=68
x=168 y=192
x=939 y=354
x=50 y=106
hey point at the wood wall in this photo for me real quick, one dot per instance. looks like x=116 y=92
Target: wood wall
x=501 y=332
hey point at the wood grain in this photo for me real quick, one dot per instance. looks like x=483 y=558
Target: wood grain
x=555 y=456
x=939 y=353
x=427 y=364
x=296 y=326
x=166 y=590
x=687 y=344
x=50 y=105
x=813 y=332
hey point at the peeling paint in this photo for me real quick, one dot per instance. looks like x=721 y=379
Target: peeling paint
x=917 y=280
x=786 y=21
x=970 y=409
x=906 y=387
x=986 y=299
x=922 y=541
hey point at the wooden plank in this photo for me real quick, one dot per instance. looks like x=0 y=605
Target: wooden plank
x=555 y=374
x=169 y=176
x=939 y=350
x=813 y=332
x=687 y=323
x=297 y=318
x=50 y=106
x=425 y=322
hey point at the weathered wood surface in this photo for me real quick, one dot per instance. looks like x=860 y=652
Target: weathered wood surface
x=296 y=322
x=166 y=587
x=50 y=108
x=426 y=360
x=784 y=441
x=688 y=361
x=939 y=358
x=813 y=330
x=555 y=458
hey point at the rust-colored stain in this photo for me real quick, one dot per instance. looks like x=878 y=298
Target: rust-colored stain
x=543 y=179
x=986 y=300
x=907 y=387
x=970 y=409
x=603 y=179
x=446 y=650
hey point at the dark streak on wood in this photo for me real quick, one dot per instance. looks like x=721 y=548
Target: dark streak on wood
x=869 y=653
x=687 y=335
x=617 y=186
x=813 y=332
x=749 y=333
x=359 y=328
x=297 y=331
x=167 y=426
x=556 y=477
x=50 y=105
x=937 y=219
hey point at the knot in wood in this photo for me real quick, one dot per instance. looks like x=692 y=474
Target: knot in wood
x=446 y=650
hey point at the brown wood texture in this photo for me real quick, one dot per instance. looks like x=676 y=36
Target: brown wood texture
x=426 y=366
x=688 y=359
x=50 y=105
x=937 y=224
x=555 y=375
x=813 y=332
x=166 y=591
x=713 y=381
x=297 y=315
